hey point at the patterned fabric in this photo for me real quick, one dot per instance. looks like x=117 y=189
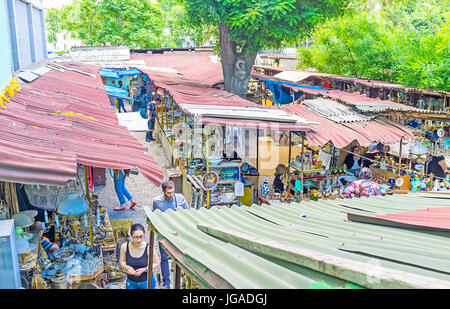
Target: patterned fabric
x=45 y=243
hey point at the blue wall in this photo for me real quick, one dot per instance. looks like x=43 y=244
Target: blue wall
x=6 y=66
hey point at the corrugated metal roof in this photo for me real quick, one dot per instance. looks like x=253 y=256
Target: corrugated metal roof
x=335 y=111
x=360 y=101
x=320 y=229
x=59 y=120
x=199 y=67
x=436 y=219
x=342 y=134
x=185 y=90
x=256 y=113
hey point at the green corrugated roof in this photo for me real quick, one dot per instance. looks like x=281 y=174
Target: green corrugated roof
x=320 y=227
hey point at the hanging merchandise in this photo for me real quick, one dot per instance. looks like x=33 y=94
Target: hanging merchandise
x=239 y=188
x=210 y=180
x=234 y=134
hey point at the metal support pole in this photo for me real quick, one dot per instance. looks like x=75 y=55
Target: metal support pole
x=303 y=164
x=207 y=163
x=289 y=164
x=186 y=147
x=150 y=256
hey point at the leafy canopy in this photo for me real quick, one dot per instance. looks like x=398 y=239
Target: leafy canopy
x=406 y=42
x=179 y=27
x=262 y=23
x=135 y=23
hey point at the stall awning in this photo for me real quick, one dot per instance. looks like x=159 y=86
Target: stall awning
x=184 y=90
x=202 y=68
x=342 y=134
x=254 y=117
x=63 y=119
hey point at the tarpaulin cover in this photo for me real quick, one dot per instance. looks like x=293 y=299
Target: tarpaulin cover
x=116 y=74
x=108 y=73
x=280 y=93
x=63 y=119
x=117 y=92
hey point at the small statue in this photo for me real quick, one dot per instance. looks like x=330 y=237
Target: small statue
x=436 y=186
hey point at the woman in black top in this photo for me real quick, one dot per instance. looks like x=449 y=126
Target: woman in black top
x=354 y=162
x=278 y=185
x=230 y=154
x=437 y=166
x=134 y=258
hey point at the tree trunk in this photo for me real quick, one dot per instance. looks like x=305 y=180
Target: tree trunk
x=236 y=66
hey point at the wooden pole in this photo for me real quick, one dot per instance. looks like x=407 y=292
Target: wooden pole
x=173 y=119
x=303 y=165
x=177 y=276
x=86 y=184
x=207 y=163
x=91 y=234
x=150 y=256
x=257 y=150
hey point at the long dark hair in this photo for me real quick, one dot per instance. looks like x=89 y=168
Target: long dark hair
x=136 y=227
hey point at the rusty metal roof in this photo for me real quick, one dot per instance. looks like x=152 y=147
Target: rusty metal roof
x=63 y=119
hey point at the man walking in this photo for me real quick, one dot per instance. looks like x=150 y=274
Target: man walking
x=121 y=104
x=151 y=115
x=168 y=200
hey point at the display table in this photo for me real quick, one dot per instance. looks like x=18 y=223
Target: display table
x=385 y=175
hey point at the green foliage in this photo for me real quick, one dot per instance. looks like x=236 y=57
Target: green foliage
x=258 y=24
x=180 y=26
x=405 y=42
x=135 y=23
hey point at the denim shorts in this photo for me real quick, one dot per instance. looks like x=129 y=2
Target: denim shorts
x=133 y=285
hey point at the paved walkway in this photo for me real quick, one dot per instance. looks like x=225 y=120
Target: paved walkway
x=141 y=189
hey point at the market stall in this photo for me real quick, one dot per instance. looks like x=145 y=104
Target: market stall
x=218 y=149
x=72 y=247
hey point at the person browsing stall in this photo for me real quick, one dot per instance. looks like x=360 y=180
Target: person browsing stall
x=134 y=258
x=278 y=185
x=437 y=166
x=46 y=244
x=168 y=200
x=354 y=161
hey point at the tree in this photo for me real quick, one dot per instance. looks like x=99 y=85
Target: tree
x=135 y=23
x=404 y=42
x=356 y=45
x=177 y=22
x=247 y=26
